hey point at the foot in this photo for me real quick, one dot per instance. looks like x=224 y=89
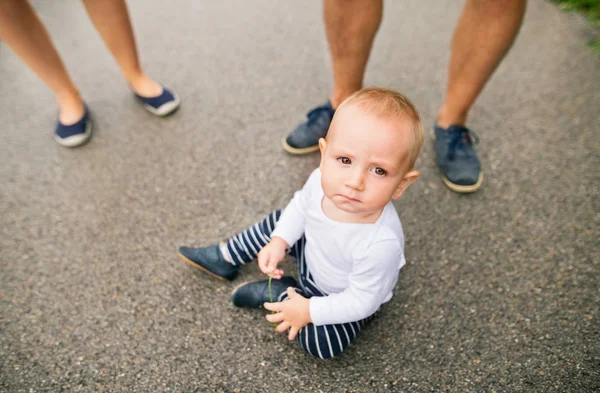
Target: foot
x=156 y=98
x=71 y=108
x=456 y=158
x=305 y=138
x=76 y=133
x=145 y=86
x=255 y=294
x=209 y=260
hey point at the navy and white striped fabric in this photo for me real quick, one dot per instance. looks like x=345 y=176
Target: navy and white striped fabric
x=323 y=341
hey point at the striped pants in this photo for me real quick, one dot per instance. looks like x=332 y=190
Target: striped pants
x=323 y=341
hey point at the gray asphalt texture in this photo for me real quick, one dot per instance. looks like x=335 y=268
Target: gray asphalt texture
x=500 y=292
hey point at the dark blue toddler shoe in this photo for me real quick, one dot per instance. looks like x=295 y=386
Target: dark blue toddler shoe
x=75 y=134
x=255 y=294
x=456 y=158
x=209 y=260
x=162 y=105
x=305 y=138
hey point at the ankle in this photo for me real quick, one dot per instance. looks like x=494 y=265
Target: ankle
x=338 y=96
x=143 y=85
x=71 y=107
x=448 y=116
x=225 y=252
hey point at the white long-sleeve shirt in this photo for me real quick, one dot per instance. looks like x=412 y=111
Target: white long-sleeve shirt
x=356 y=264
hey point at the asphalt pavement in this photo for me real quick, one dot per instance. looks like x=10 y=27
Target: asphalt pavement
x=500 y=291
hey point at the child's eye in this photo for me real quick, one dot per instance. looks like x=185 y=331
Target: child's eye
x=345 y=160
x=379 y=171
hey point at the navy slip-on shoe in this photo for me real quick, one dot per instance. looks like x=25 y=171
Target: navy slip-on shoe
x=305 y=137
x=255 y=294
x=75 y=134
x=457 y=159
x=162 y=105
x=210 y=260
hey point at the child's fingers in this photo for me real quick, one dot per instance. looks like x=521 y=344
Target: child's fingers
x=283 y=326
x=272 y=306
x=291 y=293
x=272 y=264
x=293 y=333
x=275 y=317
x=262 y=262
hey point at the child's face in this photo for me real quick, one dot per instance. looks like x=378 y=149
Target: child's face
x=364 y=161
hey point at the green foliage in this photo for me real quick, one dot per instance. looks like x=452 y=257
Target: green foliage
x=591 y=8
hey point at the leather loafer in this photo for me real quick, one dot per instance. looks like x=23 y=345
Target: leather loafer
x=209 y=260
x=255 y=294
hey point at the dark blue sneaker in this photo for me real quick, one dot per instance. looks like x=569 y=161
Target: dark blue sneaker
x=209 y=260
x=74 y=134
x=456 y=158
x=305 y=138
x=162 y=105
x=255 y=294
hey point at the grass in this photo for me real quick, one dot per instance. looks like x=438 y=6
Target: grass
x=591 y=8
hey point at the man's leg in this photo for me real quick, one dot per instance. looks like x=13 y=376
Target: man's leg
x=23 y=31
x=351 y=26
x=485 y=31
x=111 y=19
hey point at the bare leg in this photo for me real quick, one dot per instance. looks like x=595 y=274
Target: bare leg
x=111 y=19
x=23 y=31
x=351 y=28
x=484 y=33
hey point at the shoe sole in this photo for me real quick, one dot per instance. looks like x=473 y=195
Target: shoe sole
x=190 y=262
x=238 y=287
x=298 y=151
x=462 y=189
x=76 y=140
x=459 y=188
x=165 y=109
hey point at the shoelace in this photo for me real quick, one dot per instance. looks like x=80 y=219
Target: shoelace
x=458 y=138
x=315 y=113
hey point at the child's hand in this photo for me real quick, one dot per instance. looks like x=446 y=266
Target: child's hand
x=293 y=313
x=271 y=255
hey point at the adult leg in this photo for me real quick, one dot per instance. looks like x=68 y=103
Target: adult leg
x=351 y=27
x=23 y=31
x=111 y=19
x=485 y=31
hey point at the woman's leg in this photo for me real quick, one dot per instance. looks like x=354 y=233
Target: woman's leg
x=111 y=19
x=24 y=32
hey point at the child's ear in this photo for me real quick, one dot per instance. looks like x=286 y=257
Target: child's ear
x=322 y=148
x=409 y=179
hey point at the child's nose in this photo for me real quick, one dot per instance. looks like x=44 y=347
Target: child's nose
x=356 y=180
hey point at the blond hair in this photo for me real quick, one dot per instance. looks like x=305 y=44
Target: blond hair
x=388 y=103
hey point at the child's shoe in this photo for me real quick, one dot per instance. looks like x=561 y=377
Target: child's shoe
x=209 y=260
x=255 y=294
x=305 y=138
x=162 y=105
x=75 y=134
